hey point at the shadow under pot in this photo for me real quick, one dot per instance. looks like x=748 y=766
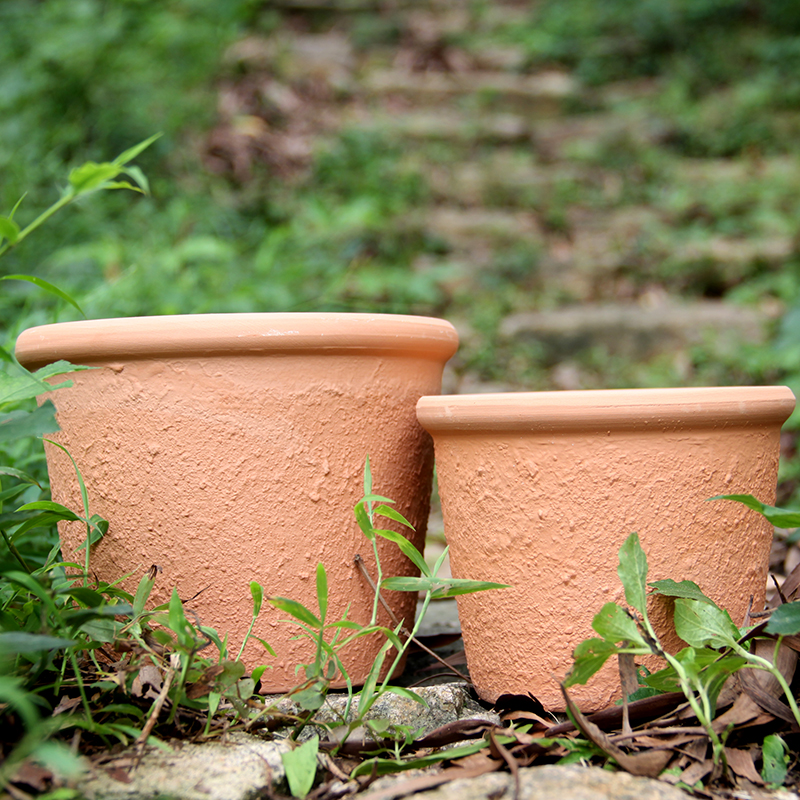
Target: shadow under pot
x=230 y=448
x=540 y=490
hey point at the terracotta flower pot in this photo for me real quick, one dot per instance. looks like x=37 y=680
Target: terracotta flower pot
x=540 y=490
x=229 y=448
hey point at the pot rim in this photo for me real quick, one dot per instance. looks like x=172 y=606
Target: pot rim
x=607 y=409
x=100 y=340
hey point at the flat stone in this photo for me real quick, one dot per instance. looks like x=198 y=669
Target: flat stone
x=542 y=93
x=539 y=783
x=631 y=329
x=236 y=768
x=445 y=125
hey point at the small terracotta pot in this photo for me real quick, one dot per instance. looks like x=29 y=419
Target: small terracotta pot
x=540 y=490
x=230 y=448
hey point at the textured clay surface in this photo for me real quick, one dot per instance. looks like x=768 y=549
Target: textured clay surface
x=240 y=458
x=537 y=501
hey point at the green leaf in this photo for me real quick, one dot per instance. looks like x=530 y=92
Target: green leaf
x=407 y=548
x=615 y=625
x=322 y=591
x=689 y=590
x=363 y=520
x=139 y=177
x=257 y=593
x=401 y=691
x=785 y=620
x=131 y=153
x=589 y=657
x=91 y=176
x=367 y=695
x=401 y=584
x=780 y=517
x=8 y=229
x=20 y=424
x=390 y=513
x=47 y=286
x=143 y=592
x=457 y=586
x=367 y=477
x=296 y=610
x=633 y=573
x=22 y=642
x=701 y=625
x=54 y=508
x=301 y=767
x=775 y=761
x=20 y=475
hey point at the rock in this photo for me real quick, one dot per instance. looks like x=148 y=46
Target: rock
x=237 y=768
x=539 y=783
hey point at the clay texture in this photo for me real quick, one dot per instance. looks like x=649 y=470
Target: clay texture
x=230 y=448
x=540 y=490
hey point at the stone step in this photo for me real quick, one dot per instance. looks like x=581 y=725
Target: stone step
x=541 y=95
x=636 y=331
x=444 y=125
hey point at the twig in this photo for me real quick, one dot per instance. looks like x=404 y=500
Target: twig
x=141 y=741
x=360 y=564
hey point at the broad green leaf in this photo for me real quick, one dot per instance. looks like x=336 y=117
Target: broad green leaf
x=781 y=517
x=47 y=286
x=86 y=596
x=139 y=177
x=633 y=573
x=20 y=424
x=301 y=767
x=30 y=583
x=8 y=229
x=589 y=656
x=700 y=624
x=43 y=520
x=407 y=548
x=296 y=610
x=785 y=620
x=390 y=513
x=775 y=760
x=90 y=176
x=312 y=698
x=689 y=590
x=23 y=642
x=457 y=586
x=615 y=625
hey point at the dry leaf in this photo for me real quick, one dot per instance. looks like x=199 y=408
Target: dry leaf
x=741 y=762
x=649 y=763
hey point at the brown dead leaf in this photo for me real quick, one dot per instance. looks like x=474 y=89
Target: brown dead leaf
x=66 y=704
x=205 y=683
x=742 y=764
x=147 y=682
x=649 y=763
x=696 y=771
x=33 y=775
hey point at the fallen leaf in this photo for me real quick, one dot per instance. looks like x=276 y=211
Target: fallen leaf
x=649 y=763
x=741 y=762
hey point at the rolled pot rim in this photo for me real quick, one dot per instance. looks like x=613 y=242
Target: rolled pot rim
x=607 y=409
x=100 y=340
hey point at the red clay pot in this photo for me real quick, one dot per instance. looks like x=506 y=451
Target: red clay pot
x=540 y=490
x=230 y=448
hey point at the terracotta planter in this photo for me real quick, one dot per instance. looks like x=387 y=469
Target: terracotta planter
x=231 y=448
x=540 y=490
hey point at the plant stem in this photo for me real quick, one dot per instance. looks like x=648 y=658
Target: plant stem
x=14 y=552
x=45 y=215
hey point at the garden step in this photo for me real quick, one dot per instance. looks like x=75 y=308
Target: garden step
x=633 y=330
x=540 y=94
x=443 y=125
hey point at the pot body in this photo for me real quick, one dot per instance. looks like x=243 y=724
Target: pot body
x=540 y=490
x=230 y=448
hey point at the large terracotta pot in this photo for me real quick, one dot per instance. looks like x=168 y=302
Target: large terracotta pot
x=230 y=448
x=540 y=490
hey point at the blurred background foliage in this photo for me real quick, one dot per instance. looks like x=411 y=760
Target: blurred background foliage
x=260 y=202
